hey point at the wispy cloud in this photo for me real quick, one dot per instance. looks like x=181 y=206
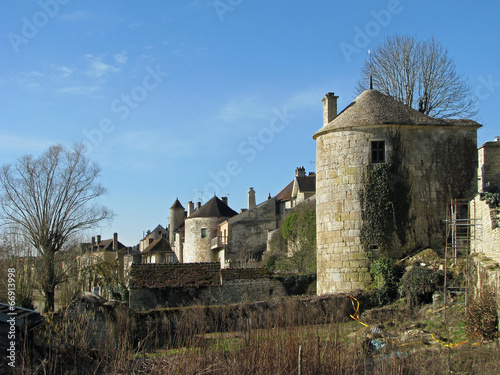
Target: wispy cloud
x=86 y=76
x=97 y=68
x=84 y=90
x=78 y=15
x=22 y=145
x=243 y=108
x=64 y=71
x=121 y=58
x=307 y=99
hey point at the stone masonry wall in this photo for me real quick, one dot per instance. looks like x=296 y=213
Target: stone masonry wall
x=487 y=275
x=243 y=290
x=248 y=285
x=342 y=265
x=486 y=235
x=489 y=170
x=197 y=249
x=342 y=158
x=248 y=231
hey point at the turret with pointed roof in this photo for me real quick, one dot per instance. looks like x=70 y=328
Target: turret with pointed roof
x=177 y=216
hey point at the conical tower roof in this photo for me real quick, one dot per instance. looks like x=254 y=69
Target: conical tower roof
x=177 y=204
x=214 y=208
x=372 y=107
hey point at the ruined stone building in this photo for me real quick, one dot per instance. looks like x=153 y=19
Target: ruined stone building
x=384 y=175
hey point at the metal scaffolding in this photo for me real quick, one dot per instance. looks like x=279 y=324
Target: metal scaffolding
x=460 y=232
x=459 y=222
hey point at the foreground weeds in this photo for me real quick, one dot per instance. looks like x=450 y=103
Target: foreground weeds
x=290 y=336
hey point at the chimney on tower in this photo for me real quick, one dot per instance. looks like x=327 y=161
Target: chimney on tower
x=190 y=208
x=329 y=107
x=251 y=198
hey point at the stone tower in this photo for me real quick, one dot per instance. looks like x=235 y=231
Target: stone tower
x=419 y=156
x=177 y=216
x=201 y=227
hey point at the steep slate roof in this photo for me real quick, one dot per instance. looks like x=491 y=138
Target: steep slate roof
x=214 y=208
x=160 y=245
x=372 y=107
x=174 y=275
x=491 y=144
x=158 y=228
x=307 y=183
x=107 y=245
x=177 y=204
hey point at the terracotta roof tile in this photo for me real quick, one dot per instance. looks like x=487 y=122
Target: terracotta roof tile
x=285 y=193
x=174 y=275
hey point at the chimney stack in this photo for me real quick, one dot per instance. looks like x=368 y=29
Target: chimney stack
x=98 y=239
x=224 y=199
x=198 y=205
x=300 y=172
x=251 y=198
x=93 y=241
x=115 y=241
x=190 y=208
x=329 y=107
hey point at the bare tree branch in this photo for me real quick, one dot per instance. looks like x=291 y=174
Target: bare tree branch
x=49 y=200
x=419 y=74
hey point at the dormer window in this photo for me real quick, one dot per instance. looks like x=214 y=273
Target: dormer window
x=378 y=152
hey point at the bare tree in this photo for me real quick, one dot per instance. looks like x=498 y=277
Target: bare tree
x=49 y=199
x=419 y=74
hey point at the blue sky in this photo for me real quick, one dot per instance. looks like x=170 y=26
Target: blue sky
x=180 y=98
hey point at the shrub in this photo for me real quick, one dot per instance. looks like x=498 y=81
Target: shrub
x=386 y=279
x=293 y=246
x=482 y=317
x=418 y=284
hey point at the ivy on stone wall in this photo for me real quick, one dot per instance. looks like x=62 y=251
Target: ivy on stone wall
x=385 y=199
x=293 y=246
x=377 y=210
